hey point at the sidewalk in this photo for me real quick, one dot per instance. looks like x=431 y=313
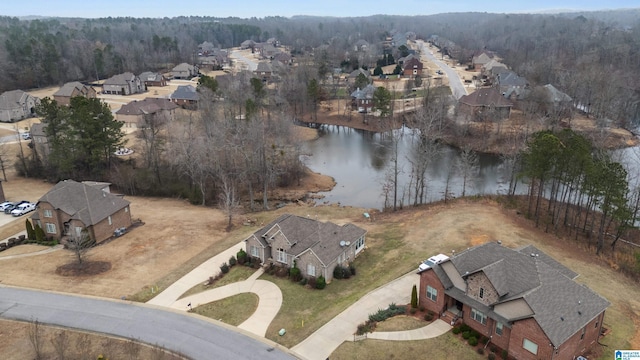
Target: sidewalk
x=197 y=276
x=325 y=340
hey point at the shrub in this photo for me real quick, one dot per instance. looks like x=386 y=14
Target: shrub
x=505 y=354
x=384 y=314
x=241 y=256
x=465 y=327
x=341 y=272
x=303 y=281
x=456 y=329
x=493 y=348
x=421 y=307
x=282 y=271
x=321 y=283
x=473 y=341
x=492 y=356
x=429 y=317
x=414 y=297
x=232 y=261
x=312 y=282
x=484 y=340
x=40 y=236
x=480 y=351
x=466 y=334
x=294 y=274
x=413 y=310
x=224 y=268
x=31 y=233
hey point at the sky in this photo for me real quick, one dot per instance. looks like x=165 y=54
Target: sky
x=287 y=8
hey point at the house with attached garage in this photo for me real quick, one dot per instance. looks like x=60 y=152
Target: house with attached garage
x=184 y=71
x=72 y=89
x=71 y=208
x=316 y=247
x=522 y=300
x=16 y=105
x=150 y=110
x=123 y=84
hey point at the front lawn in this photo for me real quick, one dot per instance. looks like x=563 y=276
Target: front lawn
x=244 y=304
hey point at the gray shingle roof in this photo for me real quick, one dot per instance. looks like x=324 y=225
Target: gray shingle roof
x=13 y=99
x=509 y=78
x=83 y=202
x=485 y=97
x=67 y=89
x=308 y=234
x=561 y=306
x=150 y=76
x=185 y=92
x=264 y=66
x=354 y=74
x=365 y=93
x=556 y=95
x=120 y=79
x=146 y=106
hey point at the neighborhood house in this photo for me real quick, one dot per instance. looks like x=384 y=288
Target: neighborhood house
x=140 y=113
x=72 y=89
x=316 y=247
x=17 y=105
x=70 y=208
x=523 y=300
x=123 y=84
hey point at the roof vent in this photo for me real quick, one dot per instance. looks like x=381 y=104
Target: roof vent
x=348 y=243
x=342 y=243
x=533 y=255
x=561 y=318
x=499 y=242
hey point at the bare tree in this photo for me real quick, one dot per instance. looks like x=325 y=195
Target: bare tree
x=60 y=342
x=4 y=159
x=35 y=338
x=228 y=198
x=467 y=166
x=80 y=244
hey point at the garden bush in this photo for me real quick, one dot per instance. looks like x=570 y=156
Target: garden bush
x=232 y=261
x=505 y=354
x=466 y=334
x=484 y=340
x=480 y=351
x=241 y=256
x=294 y=273
x=224 y=268
x=414 y=297
x=312 y=282
x=465 y=327
x=492 y=356
x=341 y=272
x=384 y=314
x=303 y=281
x=429 y=317
x=456 y=329
x=282 y=271
x=413 y=310
x=421 y=308
x=473 y=341
x=321 y=283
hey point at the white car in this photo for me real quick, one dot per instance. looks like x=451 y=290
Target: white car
x=23 y=209
x=436 y=259
x=5 y=205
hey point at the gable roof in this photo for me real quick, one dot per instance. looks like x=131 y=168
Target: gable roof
x=264 y=66
x=146 y=106
x=306 y=234
x=509 y=78
x=83 y=202
x=120 y=79
x=184 y=67
x=150 y=76
x=68 y=88
x=13 y=99
x=560 y=305
x=185 y=92
x=365 y=93
x=555 y=95
x=412 y=63
x=354 y=74
x=485 y=97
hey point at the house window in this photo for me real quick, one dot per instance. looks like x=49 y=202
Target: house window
x=51 y=228
x=281 y=256
x=48 y=213
x=530 y=346
x=479 y=316
x=78 y=231
x=126 y=209
x=499 y=328
x=254 y=251
x=481 y=293
x=311 y=270
x=110 y=222
x=360 y=243
x=432 y=293
x=584 y=330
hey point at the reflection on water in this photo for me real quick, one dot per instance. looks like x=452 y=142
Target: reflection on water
x=359 y=161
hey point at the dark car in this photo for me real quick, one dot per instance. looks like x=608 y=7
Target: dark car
x=9 y=208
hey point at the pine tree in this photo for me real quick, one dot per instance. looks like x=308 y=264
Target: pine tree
x=31 y=234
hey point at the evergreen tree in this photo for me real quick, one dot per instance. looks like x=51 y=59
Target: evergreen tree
x=31 y=234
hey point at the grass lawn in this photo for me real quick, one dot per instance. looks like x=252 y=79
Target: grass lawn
x=245 y=304
x=235 y=274
x=446 y=346
x=400 y=323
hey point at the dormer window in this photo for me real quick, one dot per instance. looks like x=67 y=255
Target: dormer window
x=481 y=295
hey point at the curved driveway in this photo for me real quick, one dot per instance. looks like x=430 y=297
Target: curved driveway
x=457 y=88
x=193 y=336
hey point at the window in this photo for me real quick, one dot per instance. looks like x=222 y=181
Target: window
x=51 y=228
x=126 y=209
x=281 y=256
x=479 y=316
x=584 y=330
x=530 y=346
x=254 y=251
x=481 y=293
x=432 y=293
x=110 y=222
x=311 y=270
x=499 y=328
x=48 y=213
x=78 y=231
x=360 y=244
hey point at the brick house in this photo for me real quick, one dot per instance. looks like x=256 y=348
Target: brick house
x=184 y=71
x=316 y=247
x=185 y=96
x=72 y=89
x=16 y=105
x=485 y=104
x=412 y=67
x=70 y=208
x=523 y=300
x=137 y=112
x=153 y=79
x=362 y=99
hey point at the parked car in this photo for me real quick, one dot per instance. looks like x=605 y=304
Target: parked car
x=9 y=208
x=23 y=209
x=6 y=204
x=26 y=136
x=436 y=259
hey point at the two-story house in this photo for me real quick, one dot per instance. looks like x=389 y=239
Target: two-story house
x=523 y=300
x=17 y=105
x=123 y=84
x=72 y=89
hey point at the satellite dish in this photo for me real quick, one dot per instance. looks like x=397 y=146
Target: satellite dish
x=342 y=243
x=348 y=243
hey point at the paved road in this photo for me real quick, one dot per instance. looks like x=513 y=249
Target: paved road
x=191 y=335
x=251 y=64
x=456 y=85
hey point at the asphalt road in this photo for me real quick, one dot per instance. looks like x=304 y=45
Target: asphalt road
x=190 y=335
x=251 y=64
x=456 y=85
